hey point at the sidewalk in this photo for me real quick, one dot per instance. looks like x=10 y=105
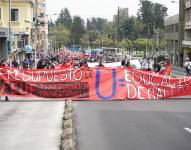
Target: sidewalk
x=178 y=71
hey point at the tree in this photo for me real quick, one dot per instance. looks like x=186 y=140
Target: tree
x=62 y=35
x=106 y=42
x=143 y=44
x=65 y=18
x=84 y=41
x=127 y=45
x=123 y=16
x=96 y=24
x=152 y=15
x=77 y=29
x=159 y=13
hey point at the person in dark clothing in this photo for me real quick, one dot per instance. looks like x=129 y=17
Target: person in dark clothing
x=128 y=64
x=100 y=64
x=40 y=65
x=156 y=66
x=123 y=63
x=3 y=64
x=15 y=64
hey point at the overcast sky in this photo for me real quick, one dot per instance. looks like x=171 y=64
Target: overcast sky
x=102 y=8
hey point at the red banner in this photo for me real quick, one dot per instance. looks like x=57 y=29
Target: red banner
x=92 y=84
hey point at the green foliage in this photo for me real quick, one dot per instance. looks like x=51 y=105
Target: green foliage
x=99 y=31
x=152 y=15
x=77 y=29
x=65 y=18
x=62 y=35
x=96 y=24
x=106 y=42
x=132 y=28
x=142 y=43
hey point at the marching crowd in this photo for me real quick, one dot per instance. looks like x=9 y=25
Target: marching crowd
x=62 y=61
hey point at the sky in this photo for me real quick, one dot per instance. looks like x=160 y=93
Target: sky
x=102 y=8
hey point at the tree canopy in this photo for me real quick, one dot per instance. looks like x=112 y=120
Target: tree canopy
x=95 y=32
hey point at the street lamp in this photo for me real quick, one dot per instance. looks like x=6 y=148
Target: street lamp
x=124 y=43
x=9 y=40
x=99 y=39
x=53 y=40
x=147 y=37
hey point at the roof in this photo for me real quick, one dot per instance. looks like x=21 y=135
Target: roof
x=171 y=20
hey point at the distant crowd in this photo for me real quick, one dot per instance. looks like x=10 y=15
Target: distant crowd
x=61 y=60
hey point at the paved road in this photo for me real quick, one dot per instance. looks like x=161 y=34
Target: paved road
x=30 y=125
x=135 y=125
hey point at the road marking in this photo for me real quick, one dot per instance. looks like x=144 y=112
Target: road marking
x=188 y=130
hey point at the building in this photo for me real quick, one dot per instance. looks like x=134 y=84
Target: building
x=42 y=34
x=123 y=15
x=171 y=36
x=22 y=12
x=185 y=27
x=123 y=12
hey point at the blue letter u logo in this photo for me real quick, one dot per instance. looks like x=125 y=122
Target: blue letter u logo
x=98 y=85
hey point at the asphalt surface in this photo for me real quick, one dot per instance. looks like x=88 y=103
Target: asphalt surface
x=134 y=125
x=30 y=125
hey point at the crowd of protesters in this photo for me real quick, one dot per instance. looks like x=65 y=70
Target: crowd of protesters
x=61 y=60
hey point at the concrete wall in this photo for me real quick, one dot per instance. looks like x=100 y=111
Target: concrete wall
x=187 y=35
x=171 y=35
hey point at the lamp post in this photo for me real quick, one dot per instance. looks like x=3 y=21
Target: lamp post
x=118 y=19
x=52 y=40
x=9 y=39
x=36 y=32
x=99 y=40
x=147 y=37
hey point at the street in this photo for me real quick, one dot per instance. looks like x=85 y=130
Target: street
x=134 y=125
x=115 y=125
x=77 y=76
x=30 y=125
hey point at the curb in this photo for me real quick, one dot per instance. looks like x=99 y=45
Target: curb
x=68 y=136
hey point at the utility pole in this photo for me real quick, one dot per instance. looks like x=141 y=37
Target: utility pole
x=118 y=30
x=123 y=42
x=99 y=40
x=10 y=33
x=36 y=32
x=132 y=35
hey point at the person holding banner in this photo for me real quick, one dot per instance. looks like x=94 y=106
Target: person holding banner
x=128 y=64
x=156 y=66
x=101 y=64
x=4 y=64
x=123 y=63
x=168 y=67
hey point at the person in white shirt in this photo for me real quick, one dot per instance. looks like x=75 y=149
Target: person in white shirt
x=187 y=66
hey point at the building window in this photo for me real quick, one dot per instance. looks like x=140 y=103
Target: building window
x=42 y=15
x=176 y=27
x=14 y=14
x=0 y=13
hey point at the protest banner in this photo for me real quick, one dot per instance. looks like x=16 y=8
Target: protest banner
x=92 y=84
